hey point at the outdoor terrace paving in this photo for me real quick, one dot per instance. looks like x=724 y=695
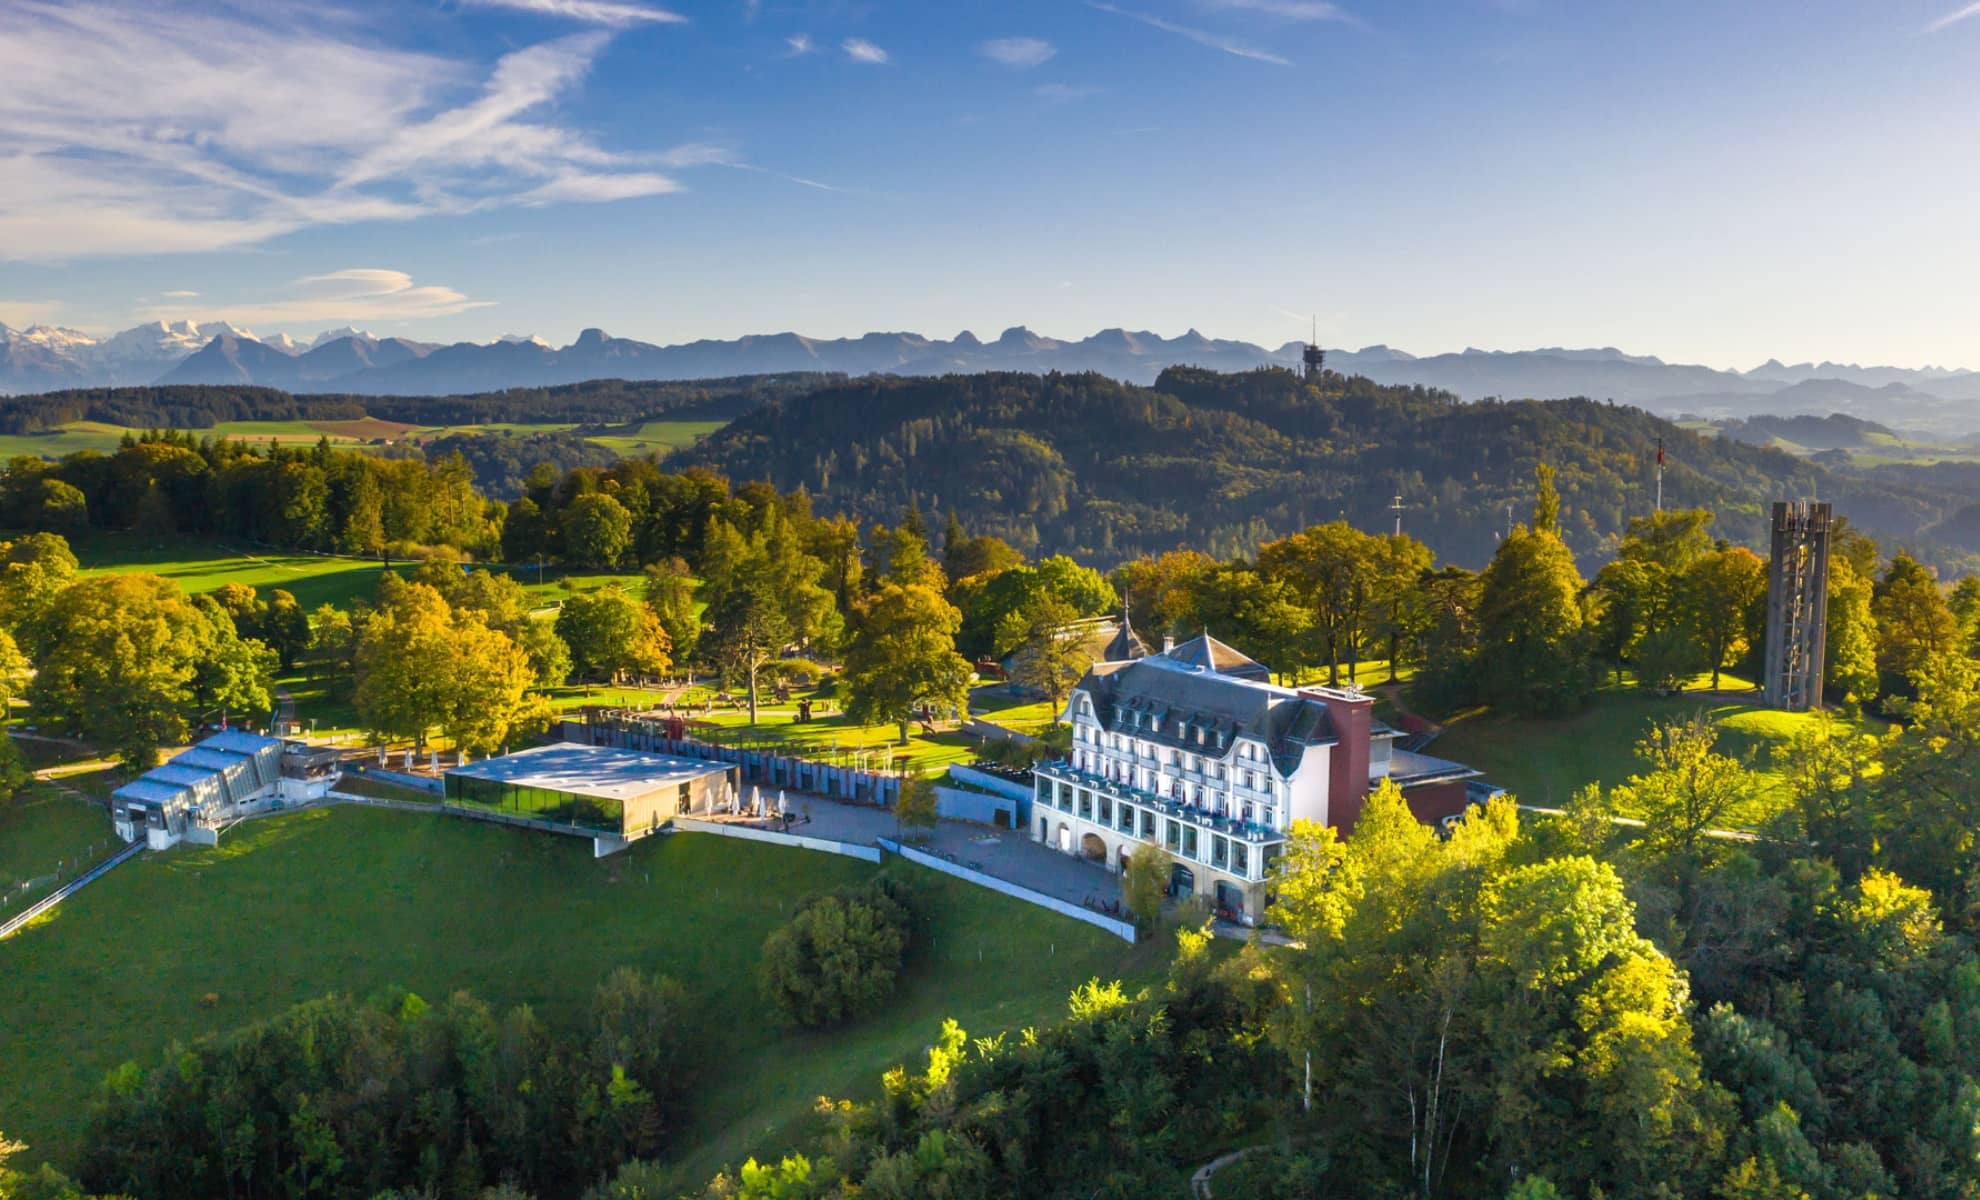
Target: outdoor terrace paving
x=1005 y=853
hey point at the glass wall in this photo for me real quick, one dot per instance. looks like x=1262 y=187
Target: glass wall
x=538 y=804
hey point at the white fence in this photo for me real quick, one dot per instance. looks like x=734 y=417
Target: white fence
x=14 y=924
x=1114 y=925
x=865 y=853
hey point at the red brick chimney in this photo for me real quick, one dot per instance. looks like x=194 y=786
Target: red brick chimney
x=1352 y=715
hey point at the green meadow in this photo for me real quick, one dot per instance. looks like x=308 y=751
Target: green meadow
x=193 y=941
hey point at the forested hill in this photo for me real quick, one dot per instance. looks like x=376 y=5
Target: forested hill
x=1085 y=465
x=598 y=402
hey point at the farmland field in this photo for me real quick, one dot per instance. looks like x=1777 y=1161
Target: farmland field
x=656 y=437
x=354 y=900
x=650 y=437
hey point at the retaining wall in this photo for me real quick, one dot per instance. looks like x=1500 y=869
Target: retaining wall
x=958 y=805
x=420 y=782
x=761 y=767
x=865 y=853
x=1114 y=925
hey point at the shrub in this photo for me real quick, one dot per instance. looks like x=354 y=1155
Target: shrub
x=794 y=671
x=840 y=956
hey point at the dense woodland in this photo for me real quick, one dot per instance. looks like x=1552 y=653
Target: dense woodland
x=1222 y=463
x=599 y=402
x=1104 y=471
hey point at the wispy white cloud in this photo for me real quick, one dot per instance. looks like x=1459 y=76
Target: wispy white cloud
x=800 y=44
x=615 y=13
x=130 y=129
x=1291 y=10
x=1954 y=18
x=861 y=50
x=722 y=154
x=358 y=294
x=1062 y=93
x=180 y=295
x=1019 y=52
x=1201 y=37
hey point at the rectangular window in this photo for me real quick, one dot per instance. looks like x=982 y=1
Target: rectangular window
x=1238 y=856
x=1173 y=834
x=1147 y=825
x=1106 y=811
x=1126 y=818
x=1189 y=841
x=1086 y=805
x=1220 y=851
x=1269 y=817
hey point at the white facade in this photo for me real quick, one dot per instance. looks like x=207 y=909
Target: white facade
x=1182 y=751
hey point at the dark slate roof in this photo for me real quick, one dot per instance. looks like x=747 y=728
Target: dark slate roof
x=1212 y=655
x=1186 y=696
x=1126 y=645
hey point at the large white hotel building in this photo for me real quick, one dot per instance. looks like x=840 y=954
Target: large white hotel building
x=1194 y=749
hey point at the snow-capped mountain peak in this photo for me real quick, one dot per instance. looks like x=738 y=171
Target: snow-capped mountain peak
x=348 y=331
x=523 y=339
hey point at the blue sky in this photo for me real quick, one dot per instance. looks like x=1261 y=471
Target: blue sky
x=1712 y=182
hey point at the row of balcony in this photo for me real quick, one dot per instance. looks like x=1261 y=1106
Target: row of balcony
x=1203 y=818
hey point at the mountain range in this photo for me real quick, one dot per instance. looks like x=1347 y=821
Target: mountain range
x=351 y=361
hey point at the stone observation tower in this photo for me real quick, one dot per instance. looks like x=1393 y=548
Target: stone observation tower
x=1797 y=606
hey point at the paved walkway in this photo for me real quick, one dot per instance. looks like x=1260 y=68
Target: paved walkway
x=1007 y=854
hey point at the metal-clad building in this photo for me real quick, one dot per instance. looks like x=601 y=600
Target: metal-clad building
x=221 y=773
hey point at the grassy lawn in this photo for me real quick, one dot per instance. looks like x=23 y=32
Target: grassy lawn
x=829 y=734
x=1012 y=712
x=42 y=832
x=352 y=900
x=1545 y=762
x=632 y=441
x=66 y=439
x=199 y=565
x=655 y=437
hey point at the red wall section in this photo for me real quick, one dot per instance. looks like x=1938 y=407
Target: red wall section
x=1347 y=773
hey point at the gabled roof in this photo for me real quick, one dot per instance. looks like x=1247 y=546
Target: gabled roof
x=1174 y=699
x=1212 y=655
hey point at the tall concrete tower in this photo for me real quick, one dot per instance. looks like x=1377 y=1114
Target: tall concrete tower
x=1797 y=606
x=1315 y=357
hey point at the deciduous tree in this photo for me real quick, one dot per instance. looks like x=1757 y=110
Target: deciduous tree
x=129 y=662
x=902 y=656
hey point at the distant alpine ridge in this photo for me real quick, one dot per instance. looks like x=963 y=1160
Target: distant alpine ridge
x=351 y=361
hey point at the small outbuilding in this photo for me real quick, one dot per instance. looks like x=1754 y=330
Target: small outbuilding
x=617 y=795
x=225 y=776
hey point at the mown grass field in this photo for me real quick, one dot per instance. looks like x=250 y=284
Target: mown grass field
x=43 y=832
x=1544 y=762
x=201 y=565
x=352 y=900
x=198 y=565
x=655 y=437
x=825 y=736
x=649 y=437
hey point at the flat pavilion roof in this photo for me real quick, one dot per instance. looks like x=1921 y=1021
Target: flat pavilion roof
x=598 y=771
